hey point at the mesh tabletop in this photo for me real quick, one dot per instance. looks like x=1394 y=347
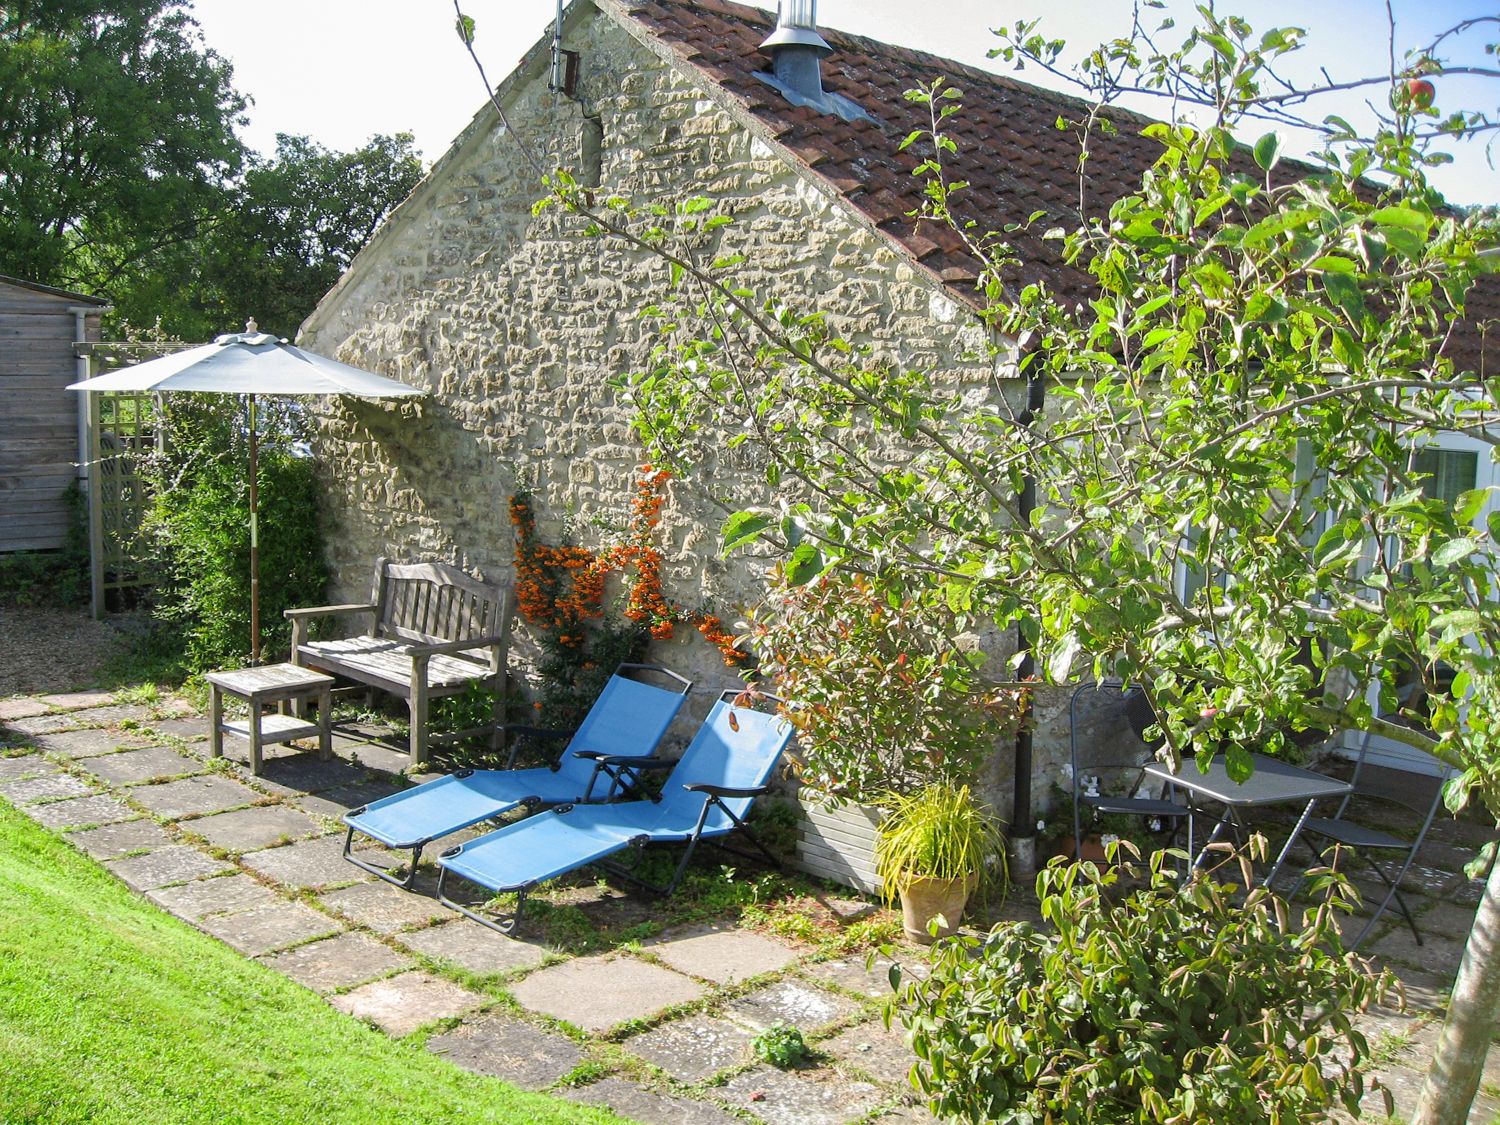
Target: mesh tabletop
x=1273 y=782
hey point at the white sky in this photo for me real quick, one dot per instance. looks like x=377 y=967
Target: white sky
x=341 y=71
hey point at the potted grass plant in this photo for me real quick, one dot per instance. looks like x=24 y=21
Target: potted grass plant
x=932 y=850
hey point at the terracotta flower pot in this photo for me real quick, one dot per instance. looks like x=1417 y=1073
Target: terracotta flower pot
x=922 y=900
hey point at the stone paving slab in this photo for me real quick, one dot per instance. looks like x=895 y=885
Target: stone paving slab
x=722 y=955
x=71 y=700
x=20 y=709
x=338 y=962
x=692 y=1048
x=175 y=863
x=26 y=765
x=135 y=767
x=1392 y=941
x=308 y=865
x=254 y=828
x=793 y=1003
x=113 y=840
x=334 y=803
x=188 y=728
x=86 y=743
x=299 y=771
x=273 y=926
x=850 y=973
x=80 y=812
x=799 y=1098
x=383 y=908
x=473 y=947
x=50 y=787
x=373 y=756
x=194 y=796
x=596 y=993
x=629 y=1100
x=880 y=1052
x=42 y=724
x=502 y=1046
x=204 y=897
x=401 y=1004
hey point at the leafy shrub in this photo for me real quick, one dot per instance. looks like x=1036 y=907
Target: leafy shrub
x=573 y=676
x=1171 y=1004
x=200 y=531
x=938 y=832
x=781 y=1045
x=885 y=698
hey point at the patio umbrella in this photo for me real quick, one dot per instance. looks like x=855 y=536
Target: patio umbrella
x=249 y=363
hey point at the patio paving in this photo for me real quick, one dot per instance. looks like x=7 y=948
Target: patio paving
x=86 y=743
x=338 y=962
x=26 y=765
x=254 y=828
x=783 y=1097
x=135 y=767
x=401 y=1004
x=82 y=812
x=193 y=796
x=693 y=1048
x=597 y=993
x=113 y=840
x=204 y=897
x=176 y=863
x=721 y=955
x=275 y=925
x=384 y=909
x=503 y=1046
x=358 y=941
x=629 y=1100
x=472 y=947
x=21 y=709
x=308 y=865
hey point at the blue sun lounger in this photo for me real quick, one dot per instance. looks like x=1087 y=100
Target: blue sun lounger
x=707 y=795
x=622 y=727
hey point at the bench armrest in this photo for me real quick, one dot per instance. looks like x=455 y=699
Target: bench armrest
x=327 y=611
x=454 y=646
x=725 y=790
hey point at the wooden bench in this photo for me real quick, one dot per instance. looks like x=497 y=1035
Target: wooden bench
x=434 y=631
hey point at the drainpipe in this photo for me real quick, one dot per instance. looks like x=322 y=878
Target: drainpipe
x=1023 y=816
x=87 y=455
x=81 y=369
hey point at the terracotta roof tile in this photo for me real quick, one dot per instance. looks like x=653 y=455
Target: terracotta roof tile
x=1010 y=149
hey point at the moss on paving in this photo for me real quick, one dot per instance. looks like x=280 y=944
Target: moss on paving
x=114 y=1012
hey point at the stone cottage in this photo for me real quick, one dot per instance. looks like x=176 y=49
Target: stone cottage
x=516 y=321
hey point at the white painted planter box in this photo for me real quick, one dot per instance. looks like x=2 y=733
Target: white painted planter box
x=839 y=843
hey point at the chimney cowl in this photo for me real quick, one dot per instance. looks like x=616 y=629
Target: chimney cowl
x=796 y=26
x=797 y=52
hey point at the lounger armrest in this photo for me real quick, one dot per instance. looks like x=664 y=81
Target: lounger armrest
x=327 y=611
x=455 y=646
x=726 y=790
x=628 y=760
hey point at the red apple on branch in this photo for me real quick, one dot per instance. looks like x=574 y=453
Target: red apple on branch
x=1420 y=92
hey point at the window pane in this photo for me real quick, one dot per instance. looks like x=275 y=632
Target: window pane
x=1449 y=472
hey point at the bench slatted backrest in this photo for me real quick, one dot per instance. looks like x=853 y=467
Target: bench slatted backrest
x=429 y=603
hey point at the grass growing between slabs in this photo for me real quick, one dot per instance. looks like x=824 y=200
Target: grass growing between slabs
x=112 y=1011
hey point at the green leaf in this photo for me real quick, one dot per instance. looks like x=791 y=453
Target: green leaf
x=742 y=527
x=1402 y=217
x=1455 y=550
x=805 y=564
x=1464 y=621
x=1470 y=504
x=1268 y=151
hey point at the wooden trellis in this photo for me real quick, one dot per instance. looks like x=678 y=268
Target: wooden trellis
x=123 y=430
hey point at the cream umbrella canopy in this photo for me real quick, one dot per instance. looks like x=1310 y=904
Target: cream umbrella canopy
x=250 y=363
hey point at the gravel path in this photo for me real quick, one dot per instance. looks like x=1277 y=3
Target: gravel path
x=52 y=650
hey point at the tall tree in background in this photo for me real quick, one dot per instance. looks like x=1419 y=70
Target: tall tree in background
x=116 y=137
x=285 y=233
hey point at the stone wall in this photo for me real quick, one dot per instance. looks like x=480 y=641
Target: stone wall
x=516 y=323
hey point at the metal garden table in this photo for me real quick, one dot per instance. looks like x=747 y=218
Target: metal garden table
x=1274 y=782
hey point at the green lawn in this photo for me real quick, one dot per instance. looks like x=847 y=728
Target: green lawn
x=112 y=1011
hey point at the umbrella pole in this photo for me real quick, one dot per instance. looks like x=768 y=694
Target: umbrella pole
x=254 y=542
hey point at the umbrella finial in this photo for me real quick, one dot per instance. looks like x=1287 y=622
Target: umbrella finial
x=251 y=328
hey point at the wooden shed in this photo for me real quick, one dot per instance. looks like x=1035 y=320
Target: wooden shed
x=41 y=329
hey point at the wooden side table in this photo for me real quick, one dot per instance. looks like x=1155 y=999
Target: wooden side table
x=281 y=684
